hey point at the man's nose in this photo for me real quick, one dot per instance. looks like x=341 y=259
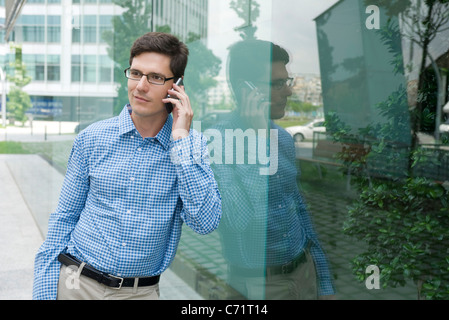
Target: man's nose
x=143 y=84
x=287 y=90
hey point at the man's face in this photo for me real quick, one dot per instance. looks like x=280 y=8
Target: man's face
x=146 y=98
x=279 y=95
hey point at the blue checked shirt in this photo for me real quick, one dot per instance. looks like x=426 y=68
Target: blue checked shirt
x=265 y=218
x=124 y=200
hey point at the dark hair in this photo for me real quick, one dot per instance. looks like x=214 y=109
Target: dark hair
x=166 y=44
x=251 y=60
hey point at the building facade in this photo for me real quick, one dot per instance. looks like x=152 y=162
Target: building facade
x=66 y=54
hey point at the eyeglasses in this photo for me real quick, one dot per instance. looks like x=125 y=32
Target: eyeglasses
x=281 y=83
x=153 y=78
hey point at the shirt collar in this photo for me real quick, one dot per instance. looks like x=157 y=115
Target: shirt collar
x=126 y=125
x=164 y=136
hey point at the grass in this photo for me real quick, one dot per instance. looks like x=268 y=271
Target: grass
x=55 y=151
x=333 y=180
x=291 y=121
x=12 y=147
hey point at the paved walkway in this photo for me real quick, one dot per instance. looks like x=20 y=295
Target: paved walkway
x=29 y=190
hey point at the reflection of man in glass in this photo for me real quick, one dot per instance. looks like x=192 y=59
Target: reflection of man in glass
x=267 y=235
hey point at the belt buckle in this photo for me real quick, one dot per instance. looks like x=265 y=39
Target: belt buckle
x=121 y=281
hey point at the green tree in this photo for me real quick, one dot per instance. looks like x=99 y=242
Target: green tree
x=134 y=22
x=402 y=212
x=422 y=21
x=300 y=106
x=249 y=11
x=18 y=100
x=201 y=70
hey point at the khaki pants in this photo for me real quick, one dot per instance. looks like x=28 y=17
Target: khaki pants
x=73 y=286
x=301 y=284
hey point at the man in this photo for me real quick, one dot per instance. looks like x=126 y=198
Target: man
x=267 y=235
x=131 y=182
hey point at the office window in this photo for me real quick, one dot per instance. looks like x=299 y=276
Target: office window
x=84 y=28
x=89 y=68
x=105 y=24
x=89 y=28
x=76 y=68
x=30 y=28
x=76 y=29
x=53 y=67
x=35 y=66
x=53 y=28
x=105 y=69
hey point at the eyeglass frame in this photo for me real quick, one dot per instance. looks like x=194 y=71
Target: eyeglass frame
x=287 y=82
x=146 y=75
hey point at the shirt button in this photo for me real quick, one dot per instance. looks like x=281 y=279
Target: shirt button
x=132 y=137
x=124 y=244
x=132 y=178
x=139 y=149
x=128 y=211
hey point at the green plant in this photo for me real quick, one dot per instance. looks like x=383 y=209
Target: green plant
x=406 y=227
x=402 y=215
x=18 y=100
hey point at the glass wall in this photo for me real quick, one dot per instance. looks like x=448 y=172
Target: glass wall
x=327 y=126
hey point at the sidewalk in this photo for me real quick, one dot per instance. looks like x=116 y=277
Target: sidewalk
x=29 y=191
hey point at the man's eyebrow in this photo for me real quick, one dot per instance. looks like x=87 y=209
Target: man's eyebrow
x=153 y=73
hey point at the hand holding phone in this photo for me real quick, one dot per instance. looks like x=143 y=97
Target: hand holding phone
x=254 y=106
x=254 y=90
x=168 y=105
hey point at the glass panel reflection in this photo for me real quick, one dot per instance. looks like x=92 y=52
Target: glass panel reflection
x=327 y=126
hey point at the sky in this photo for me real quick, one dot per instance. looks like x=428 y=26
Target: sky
x=288 y=23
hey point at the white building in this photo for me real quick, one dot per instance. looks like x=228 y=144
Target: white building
x=67 y=57
x=307 y=88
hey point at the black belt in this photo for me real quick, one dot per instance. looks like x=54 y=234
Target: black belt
x=285 y=268
x=104 y=278
x=288 y=267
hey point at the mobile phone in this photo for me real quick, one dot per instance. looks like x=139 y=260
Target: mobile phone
x=249 y=85
x=169 y=105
